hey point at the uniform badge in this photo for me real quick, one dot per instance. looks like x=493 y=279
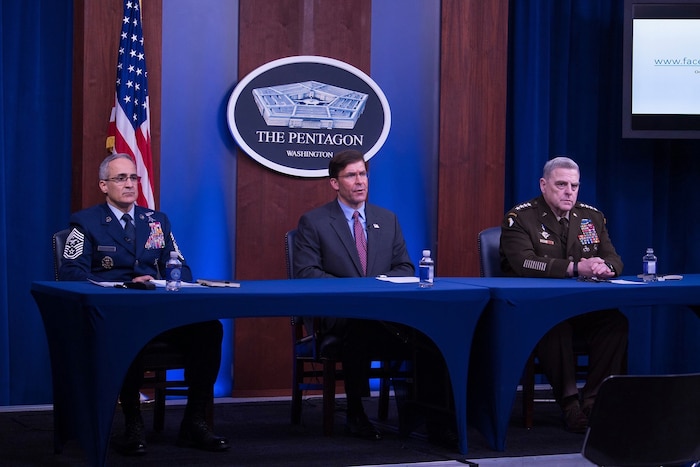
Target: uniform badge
x=74 y=244
x=107 y=262
x=589 y=235
x=156 y=239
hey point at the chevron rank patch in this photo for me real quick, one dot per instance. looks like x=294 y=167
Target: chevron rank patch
x=74 y=244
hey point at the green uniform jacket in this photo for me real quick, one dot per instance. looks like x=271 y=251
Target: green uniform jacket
x=531 y=244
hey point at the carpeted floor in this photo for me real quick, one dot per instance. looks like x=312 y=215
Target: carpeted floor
x=262 y=435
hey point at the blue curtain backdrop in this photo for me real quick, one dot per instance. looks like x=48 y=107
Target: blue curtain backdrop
x=198 y=155
x=565 y=78
x=403 y=174
x=35 y=182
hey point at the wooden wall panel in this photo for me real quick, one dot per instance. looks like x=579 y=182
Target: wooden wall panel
x=472 y=135
x=269 y=203
x=473 y=86
x=97 y=24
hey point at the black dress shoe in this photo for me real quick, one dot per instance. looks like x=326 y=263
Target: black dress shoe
x=133 y=443
x=196 y=434
x=361 y=427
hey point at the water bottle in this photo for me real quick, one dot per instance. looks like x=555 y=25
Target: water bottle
x=173 y=272
x=426 y=270
x=649 y=266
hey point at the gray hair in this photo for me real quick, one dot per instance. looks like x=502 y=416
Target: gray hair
x=559 y=162
x=104 y=165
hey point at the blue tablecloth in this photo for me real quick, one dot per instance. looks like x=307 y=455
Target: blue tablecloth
x=94 y=332
x=521 y=311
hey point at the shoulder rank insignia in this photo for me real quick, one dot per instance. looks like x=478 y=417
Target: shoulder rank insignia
x=522 y=206
x=588 y=206
x=74 y=244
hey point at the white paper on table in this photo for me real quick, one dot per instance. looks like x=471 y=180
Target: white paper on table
x=107 y=284
x=399 y=280
x=161 y=283
x=626 y=282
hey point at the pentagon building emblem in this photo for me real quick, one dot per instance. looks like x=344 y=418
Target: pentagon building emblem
x=296 y=125
x=310 y=105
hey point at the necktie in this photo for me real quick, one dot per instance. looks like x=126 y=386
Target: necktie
x=564 y=231
x=360 y=241
x=129 y=230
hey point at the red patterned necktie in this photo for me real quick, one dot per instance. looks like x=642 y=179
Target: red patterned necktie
x=360 y=241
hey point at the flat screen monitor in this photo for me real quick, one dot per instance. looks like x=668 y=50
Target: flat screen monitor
x=661 y=82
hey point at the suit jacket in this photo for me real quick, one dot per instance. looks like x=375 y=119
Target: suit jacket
x=97 y=249
x=531 y=244
x=325 y=247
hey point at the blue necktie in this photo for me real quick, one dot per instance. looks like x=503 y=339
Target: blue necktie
x=129 y=229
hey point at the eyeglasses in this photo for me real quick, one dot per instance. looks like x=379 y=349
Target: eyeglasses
x=122 y=178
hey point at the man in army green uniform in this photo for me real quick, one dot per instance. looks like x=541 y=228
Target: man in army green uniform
x=555 y=236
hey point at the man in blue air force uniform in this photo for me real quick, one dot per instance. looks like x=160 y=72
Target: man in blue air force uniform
x=555 y=236
x=119 y=241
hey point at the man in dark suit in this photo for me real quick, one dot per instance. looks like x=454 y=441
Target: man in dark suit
x=119 y=241
x=349 y=237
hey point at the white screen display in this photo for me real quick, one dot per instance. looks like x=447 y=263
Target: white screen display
x=666 y=66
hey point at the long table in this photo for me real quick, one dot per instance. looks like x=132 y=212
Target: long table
x=94 y=333
x=521 y=311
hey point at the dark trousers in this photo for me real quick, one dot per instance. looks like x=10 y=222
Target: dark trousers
x=201 y=343
x=605 y=334
x=364 y=341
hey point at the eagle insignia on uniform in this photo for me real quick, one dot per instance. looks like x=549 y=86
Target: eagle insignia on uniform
x=107 y=262
x=74 y=244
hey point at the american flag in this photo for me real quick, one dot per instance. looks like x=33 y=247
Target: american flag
x=129 y=125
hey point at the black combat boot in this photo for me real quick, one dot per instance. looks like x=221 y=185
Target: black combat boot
x=195 y=432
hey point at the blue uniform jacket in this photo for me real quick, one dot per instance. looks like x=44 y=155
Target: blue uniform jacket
x=98 y=249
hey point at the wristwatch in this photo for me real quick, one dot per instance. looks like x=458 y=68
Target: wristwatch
x=611 y=267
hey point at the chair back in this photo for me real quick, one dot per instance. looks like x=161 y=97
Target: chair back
x=645 y=420
x=489 y=241
x=289 y=252
x=59 y=243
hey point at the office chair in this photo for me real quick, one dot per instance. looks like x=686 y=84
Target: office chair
x=311 y=348
x=488 y=243
x=158 y=357
x=645 y=421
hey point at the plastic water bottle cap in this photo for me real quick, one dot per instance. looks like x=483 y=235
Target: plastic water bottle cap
x=426 y=252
